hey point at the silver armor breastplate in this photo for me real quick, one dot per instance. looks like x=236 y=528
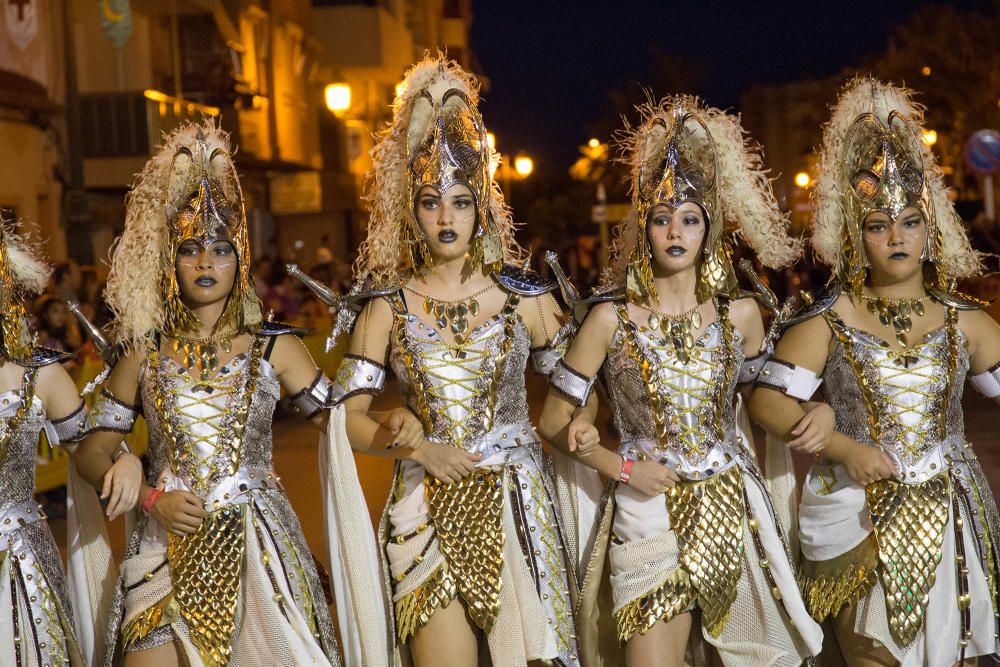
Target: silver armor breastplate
x=217 y=426
x=675 y=412
x=462 y=391
x=908 y=403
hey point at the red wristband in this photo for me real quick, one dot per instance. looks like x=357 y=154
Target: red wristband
x=151 y=497
x=626 y=474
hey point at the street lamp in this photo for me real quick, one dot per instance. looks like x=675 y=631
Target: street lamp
x=802 y=179
x=491 y=140
x=929 y=137
x=594 y=143
x=523 y=165
x=338 y=97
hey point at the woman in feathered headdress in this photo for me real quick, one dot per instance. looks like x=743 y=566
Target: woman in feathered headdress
x=38 y=393
x=471 y=541
x=689 y=525
x=217 y=570
x=898 y=526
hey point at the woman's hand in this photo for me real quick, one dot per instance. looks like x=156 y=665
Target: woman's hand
x=121 y=484
x=814 y=431
x=869 y=464
x=651 y=478
x=180 y=512
x=407 y=431
x=445 y=463
x=582 y=437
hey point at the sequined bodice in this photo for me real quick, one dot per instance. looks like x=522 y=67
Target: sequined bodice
x=462 y=391
x=909 y=404
x=657 y=398
x=204 y=418
x=17 y=469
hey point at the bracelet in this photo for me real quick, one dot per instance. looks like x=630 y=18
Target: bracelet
x=121 y=450
x=626 y=473
x=151 y=497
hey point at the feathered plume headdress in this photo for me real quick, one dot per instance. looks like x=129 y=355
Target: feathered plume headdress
x=436 y=138
x=22 y=274
x=871 y=160
x=188 y=190
x=684 y=151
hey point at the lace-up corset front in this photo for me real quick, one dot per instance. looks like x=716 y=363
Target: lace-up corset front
x=675 y=412
x=216 y=426
x=462 y=391
x=908 y=403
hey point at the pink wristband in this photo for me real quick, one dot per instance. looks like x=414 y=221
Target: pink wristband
x=151 y=497
x=626 y=474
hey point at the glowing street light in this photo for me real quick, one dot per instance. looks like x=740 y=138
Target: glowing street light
x=802 y=179
x=926 y=70
x=929 y=137
x=400 y=87
x=491 y=140
x=338 y=97
x=594 y=143
x=523 y=165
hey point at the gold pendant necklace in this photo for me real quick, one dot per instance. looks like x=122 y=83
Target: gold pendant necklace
x=453 y=314
x=202 y=353
x=676 y=328
x=897 y=313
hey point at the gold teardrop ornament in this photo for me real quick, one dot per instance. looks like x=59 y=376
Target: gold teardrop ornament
x=677 y=329
x=453 y=314
x=897 y=313
x=202 y=354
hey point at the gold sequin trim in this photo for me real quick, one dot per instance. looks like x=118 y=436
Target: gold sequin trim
x=910 y=521
x=160 y=614
x=554 y=564
x=663 y=603
x=207 y=571
x=414 y=609
x=830 y=585
x=707 y=517
x=468 y=521
x=951 y=328
x=986 y=538
x=54 y=626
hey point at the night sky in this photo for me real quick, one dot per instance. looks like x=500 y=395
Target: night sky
x=551 y=64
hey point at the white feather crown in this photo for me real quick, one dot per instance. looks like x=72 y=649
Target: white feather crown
x=745 y=197
x=951 y=252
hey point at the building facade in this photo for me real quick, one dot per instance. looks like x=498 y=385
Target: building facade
x=87 y=90
x=32 y=93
